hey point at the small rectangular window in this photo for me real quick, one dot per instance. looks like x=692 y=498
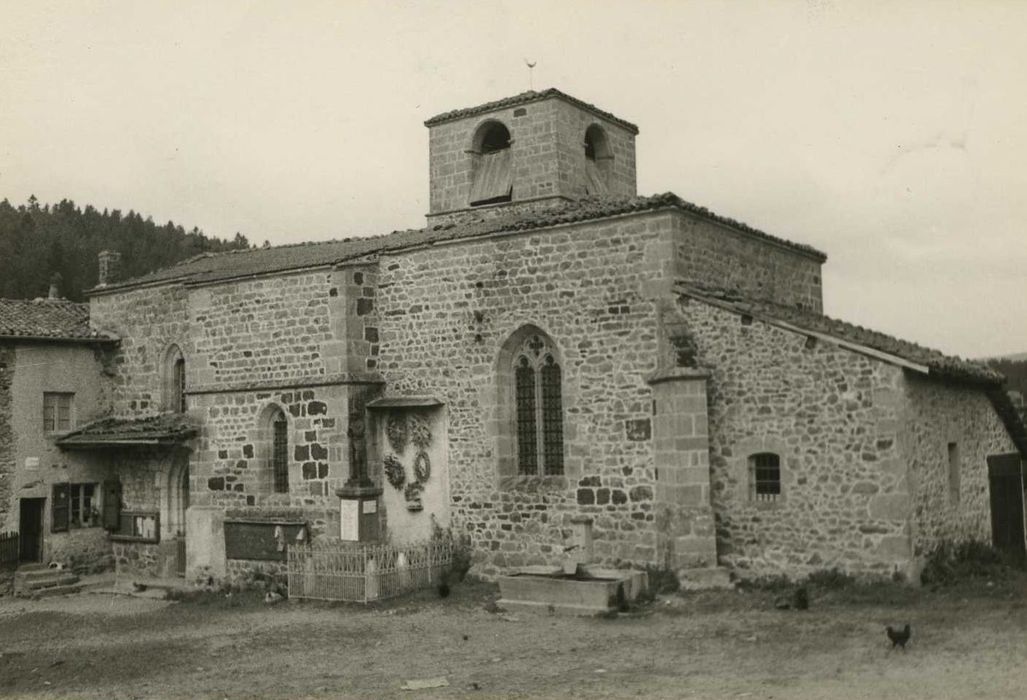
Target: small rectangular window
x=58 y=411
x=82 y=504
x=954 y=469
x=766 y=471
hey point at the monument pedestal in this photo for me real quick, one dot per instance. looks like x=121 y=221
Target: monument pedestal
x=359 y=504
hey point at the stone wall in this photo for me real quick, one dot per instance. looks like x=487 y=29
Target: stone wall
x=137 y=558
x=148 y=321
x=715 y=254
x=276 y=328
x=934 y=415
x=8 y=464
x=831 y=415
x=446 y=313
x=249 y=572
x=232 y=465
x=84 y=550
x=291 y=341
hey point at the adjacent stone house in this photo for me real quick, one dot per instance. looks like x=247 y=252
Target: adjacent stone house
x=55 y=374
x=550 y=346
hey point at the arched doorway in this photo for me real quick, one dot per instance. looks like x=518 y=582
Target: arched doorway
x=173 y=515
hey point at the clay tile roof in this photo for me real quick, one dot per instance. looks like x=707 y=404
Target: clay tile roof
x=525 y=98
x=213 y=267
x=167 y=428
x=58 y=319
x=938 y=363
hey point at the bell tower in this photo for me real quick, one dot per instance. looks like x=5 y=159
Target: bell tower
x=531 y=151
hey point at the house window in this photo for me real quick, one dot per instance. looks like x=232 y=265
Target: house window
x=492 y=165
x=280 y=452
x=539 y=408
x=57 y=412
x=954 y=469
x=74 y=506
x=766 y=476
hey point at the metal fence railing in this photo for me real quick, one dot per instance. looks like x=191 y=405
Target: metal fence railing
x=8 y=548
x=362 y=573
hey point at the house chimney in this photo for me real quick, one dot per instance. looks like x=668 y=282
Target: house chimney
x=110 y=267
x=55 y=286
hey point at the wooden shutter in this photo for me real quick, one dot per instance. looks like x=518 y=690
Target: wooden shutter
x=60 y=509
x=494 y=177
x=111 y=505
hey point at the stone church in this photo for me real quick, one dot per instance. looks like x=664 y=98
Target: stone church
x=550 y=346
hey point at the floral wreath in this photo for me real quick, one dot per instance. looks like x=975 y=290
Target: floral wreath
x=394 y=471
x=422 y=466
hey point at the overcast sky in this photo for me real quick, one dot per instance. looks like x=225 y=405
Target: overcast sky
x=891 y=136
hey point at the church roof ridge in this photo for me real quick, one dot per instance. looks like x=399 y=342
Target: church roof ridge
x=293 y=256
x=525 y=98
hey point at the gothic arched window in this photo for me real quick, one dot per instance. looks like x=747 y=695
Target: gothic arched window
x=174 y=380
x=539 y=408
x=279 y=457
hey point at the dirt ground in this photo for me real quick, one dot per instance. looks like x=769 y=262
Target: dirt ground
x=967 y=642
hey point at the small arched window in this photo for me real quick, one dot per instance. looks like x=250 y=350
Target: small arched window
x=598 y=160
x=538 y=393
x=174 y=380
x=492 y=166
x=765 y=468
x=279 y=455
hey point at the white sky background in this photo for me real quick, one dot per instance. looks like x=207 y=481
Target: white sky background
x=892 y=136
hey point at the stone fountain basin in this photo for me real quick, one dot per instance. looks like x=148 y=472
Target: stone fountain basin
x=548 y=589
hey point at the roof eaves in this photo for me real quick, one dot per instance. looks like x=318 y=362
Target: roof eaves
x=527 y=98
x=820 y=335
x=86 y=339
x=937 y=366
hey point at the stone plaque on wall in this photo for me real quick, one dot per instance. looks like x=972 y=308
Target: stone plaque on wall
x=638 y=430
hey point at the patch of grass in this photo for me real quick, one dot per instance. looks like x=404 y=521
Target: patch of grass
x=773 y=584
x=952 y=563
x=831 y=579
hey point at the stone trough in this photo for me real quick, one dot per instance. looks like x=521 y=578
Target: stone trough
x=589 y=591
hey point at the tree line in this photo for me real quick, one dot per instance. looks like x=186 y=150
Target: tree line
x=38 y=240
x=1015 y=371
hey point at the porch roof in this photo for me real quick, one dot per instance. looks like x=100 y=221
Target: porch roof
x=164 y=430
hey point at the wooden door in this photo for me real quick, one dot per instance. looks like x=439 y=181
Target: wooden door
x=30 y=528
x=1006 y=486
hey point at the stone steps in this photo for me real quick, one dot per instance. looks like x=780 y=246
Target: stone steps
x=68 y=589
x=36 y=580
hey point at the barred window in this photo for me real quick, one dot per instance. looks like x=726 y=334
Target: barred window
x=766 y=476
x=539 y=408
x=280 y=452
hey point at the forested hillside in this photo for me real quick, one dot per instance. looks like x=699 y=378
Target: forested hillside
x=37 y=240
x=1015 y=370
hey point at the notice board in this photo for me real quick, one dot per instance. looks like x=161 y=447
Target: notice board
x=255 y=539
